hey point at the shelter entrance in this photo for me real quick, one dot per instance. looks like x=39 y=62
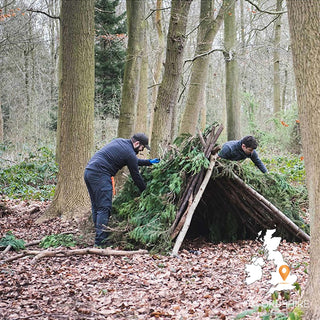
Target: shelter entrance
x=219 y=218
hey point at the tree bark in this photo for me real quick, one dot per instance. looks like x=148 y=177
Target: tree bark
x=169 y=88
x=232 y=74
x=1 y=124
x=142 y=106
x=304 y=22
x=276 y=63
x=76 y=100
x=158 y=63
x=131 y=78
x=208 y=28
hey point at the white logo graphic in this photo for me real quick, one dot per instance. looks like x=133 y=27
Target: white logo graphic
x=281 y=279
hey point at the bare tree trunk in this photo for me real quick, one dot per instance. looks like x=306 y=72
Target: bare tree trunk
x=131 y=78
x=157 y=64
x=276 y=63
x=52 y=7
x=208 y=28
x=304 y=22
x=169 y=88
x=75 y=108
x=284 y=89
x=142 y=106
x=1 y=124
x=232 y=74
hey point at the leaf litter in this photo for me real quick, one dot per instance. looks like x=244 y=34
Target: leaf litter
x=206 y=281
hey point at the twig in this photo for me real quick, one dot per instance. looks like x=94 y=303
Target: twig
x=265 y=11
x=266 y=26
x=42 y=12
x=152 y=11
x=7 y=249
x=204 y=54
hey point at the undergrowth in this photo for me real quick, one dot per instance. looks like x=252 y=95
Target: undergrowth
x=33 y=178
x=10 y=240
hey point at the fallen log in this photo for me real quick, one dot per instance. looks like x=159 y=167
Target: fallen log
x=74 y=252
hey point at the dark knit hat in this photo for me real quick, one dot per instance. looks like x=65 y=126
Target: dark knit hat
x=142 y=138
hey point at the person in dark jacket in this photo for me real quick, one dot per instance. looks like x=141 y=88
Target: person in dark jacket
x=104 y=164
x=242 y=149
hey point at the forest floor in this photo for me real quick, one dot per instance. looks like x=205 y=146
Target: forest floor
x=206 y=281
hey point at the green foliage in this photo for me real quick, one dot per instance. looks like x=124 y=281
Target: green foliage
x=281 y=134
x=151 y=214
x=33 y=178
x=10 y=239
x=58 y=240
x=291 y=167
x=109 y=56
x=271 y=311
x=250 y=109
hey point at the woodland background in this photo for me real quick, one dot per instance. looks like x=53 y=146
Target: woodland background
x=29 y=79
x=248 y=85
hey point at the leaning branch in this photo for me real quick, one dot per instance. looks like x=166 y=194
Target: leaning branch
x=193 y=207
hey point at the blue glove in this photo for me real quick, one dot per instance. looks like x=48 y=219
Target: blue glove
x=155 y=160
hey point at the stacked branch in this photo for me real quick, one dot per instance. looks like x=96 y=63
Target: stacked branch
x=268 y=215
x=194 y=182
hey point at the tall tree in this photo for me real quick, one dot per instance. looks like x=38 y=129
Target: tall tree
x=276 y=62
x=76 y=102
x=304 y=21
x=164 y=121
x=1 y=124
x=109 y=57
x=131 y=79
x=141 y=124
x=208 y=28
x=159 y=49
x=232 y=73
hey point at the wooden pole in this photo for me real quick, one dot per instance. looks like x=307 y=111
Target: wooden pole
x=193 y=207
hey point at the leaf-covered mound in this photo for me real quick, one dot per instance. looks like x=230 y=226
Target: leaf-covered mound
x=147 y=219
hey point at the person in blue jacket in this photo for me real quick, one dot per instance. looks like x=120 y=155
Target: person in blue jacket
x=242 y=149
x=104 y=164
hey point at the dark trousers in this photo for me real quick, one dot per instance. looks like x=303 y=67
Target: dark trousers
x=100 y=190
